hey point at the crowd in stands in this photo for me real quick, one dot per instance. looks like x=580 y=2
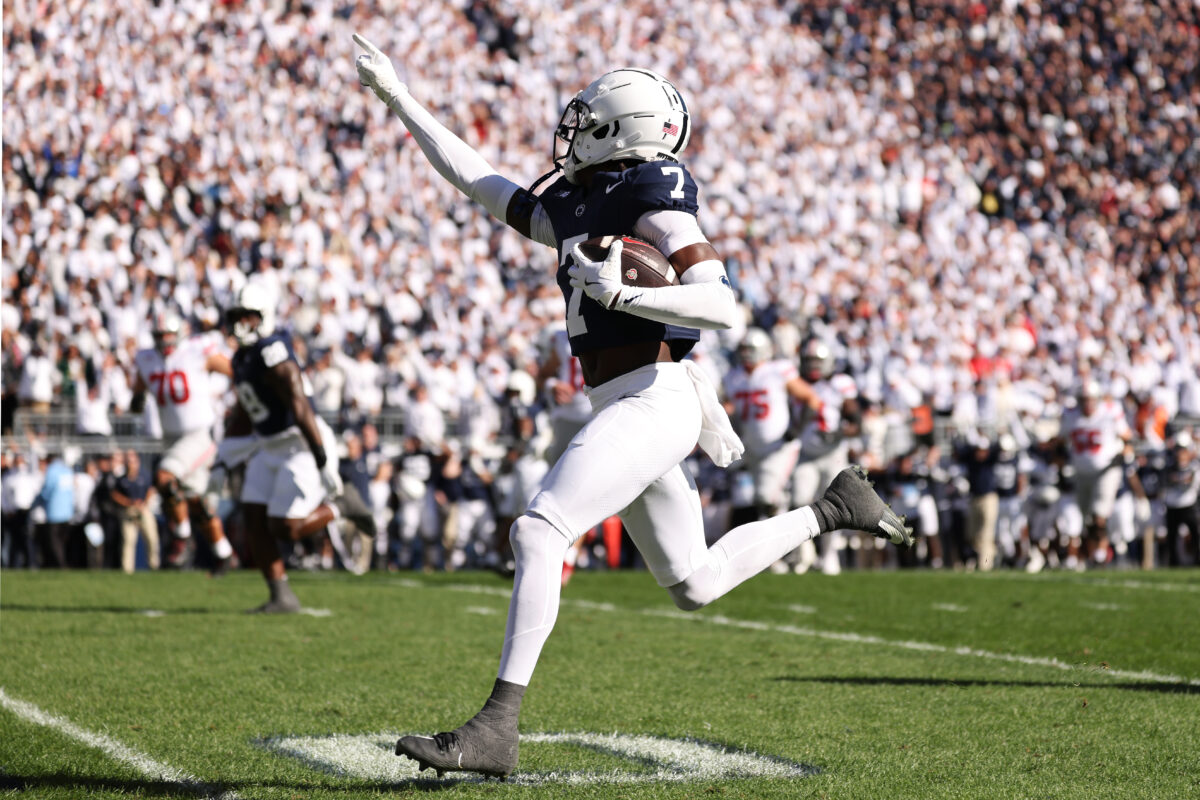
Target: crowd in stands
x=976 y=205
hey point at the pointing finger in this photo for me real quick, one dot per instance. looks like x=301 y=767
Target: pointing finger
x=365 y=45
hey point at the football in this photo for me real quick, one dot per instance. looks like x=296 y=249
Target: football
x=641 y=262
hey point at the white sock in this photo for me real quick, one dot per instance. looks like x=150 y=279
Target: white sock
x=222 y=548
x=742 y=553
x=183 y=530
x=539 y=550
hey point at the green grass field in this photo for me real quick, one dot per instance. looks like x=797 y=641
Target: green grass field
x=867 y=685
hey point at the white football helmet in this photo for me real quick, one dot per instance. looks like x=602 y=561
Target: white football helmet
x=166 y=331
x=755 y=348
x=816 y=360
x=252 y=301
x=1091 y=390
x=628 y=113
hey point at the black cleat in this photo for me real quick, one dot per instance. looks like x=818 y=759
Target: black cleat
x=855 y=505
x=179 y=554
x=283 y=600
x=471 y=748
x=352 y=506
x=283 y=606
x=222 y=566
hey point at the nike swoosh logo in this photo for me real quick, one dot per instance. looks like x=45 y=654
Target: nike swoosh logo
x=608 y=189
x=628 y=300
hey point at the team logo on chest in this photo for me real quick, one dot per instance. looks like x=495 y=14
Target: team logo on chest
x=579 y=209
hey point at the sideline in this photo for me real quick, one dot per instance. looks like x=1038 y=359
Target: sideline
x=155 y=770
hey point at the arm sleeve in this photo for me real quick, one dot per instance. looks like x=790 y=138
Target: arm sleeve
x=454 y=159
x=669 y=230
x=703 y=299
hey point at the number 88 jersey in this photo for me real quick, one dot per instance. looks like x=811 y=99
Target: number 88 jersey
x=268 y=412
x=180 y=385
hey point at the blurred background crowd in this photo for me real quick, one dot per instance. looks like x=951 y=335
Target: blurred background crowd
x=977 y=207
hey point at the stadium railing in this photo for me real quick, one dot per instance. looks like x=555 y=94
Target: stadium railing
x=57 y=429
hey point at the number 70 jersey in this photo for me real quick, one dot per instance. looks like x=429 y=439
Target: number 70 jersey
x=180 y=385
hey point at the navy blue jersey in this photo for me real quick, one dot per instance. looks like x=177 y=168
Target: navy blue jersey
x=611 y=207
x=1008 y=473
x=269 y=412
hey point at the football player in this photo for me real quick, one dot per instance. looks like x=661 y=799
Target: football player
x=1098 y=437
x=826 y=424
x=1012 y=482
x=175 y=373
x=291 y=489
x=621 y=138
x=759 y=391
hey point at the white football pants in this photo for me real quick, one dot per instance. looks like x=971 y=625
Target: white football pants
x=627 y=461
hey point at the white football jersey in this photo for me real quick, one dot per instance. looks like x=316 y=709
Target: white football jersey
x=180 y=385
x=578 y=408
x=823 y=425
x=1096 y=439
x=760 y=403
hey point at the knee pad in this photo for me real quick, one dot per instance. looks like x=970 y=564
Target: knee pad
x=532 y=537
x=689 y=594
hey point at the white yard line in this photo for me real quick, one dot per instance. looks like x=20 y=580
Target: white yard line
x=154 y=770
x=959 y=650
x=1099 y=582
x=854 y=638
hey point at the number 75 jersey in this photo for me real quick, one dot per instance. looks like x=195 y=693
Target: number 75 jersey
x=180 y=385
x=761 y=404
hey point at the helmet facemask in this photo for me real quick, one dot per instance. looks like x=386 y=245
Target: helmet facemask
x=816 y=361
x=252 y=317
x=166 y=333
x=166 y=341
x=755 y=348
x=246 y=324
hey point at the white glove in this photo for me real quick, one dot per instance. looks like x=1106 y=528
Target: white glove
x=330 y=479
x=600 y=280
x=376 y=72
x=212 y=492
x=1141 y=510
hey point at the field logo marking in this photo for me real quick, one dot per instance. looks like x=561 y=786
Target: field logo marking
x=370 y=757
x=154 y=770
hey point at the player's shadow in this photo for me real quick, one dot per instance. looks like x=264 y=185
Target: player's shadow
x=871 y=680
x=86 y=784
x=136 y=610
